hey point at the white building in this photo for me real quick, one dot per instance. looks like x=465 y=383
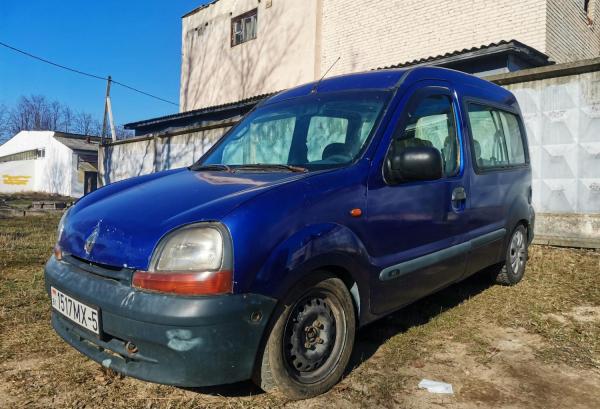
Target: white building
x=49 y=162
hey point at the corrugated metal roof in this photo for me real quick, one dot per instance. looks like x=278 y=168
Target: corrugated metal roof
x=78 y=142
x=492 y=48
x=211 y=109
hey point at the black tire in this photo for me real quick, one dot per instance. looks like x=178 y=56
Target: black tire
x=513 y=268
x=310 y=340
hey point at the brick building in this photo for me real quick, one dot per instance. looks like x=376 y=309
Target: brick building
x=236 y=49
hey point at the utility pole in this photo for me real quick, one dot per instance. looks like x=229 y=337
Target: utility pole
x=108 y=109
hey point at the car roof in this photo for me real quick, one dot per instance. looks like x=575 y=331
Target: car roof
x=387 y=79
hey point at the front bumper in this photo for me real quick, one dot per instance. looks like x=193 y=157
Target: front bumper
x=183 y=341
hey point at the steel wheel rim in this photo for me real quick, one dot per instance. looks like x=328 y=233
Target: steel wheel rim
x=312 y=350
x=517 y=252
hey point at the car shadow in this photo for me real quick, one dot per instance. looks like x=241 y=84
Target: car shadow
x=234 y=390
x=372 y=336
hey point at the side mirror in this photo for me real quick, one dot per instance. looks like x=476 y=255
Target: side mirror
x=415 y=163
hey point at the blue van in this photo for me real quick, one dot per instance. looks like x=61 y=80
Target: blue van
x=325 y=208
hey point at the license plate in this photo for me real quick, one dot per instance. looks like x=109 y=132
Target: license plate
x=78 y=312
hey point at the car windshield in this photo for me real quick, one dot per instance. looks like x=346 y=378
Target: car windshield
x=307 y=133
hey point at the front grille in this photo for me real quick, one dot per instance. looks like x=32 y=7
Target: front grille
x=120 y=274
x=104 y=266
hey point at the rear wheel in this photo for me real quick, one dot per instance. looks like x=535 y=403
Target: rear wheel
x=311 y=339
x=513 y=269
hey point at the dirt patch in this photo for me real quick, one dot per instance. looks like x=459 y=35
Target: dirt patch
x=29 y=364
x=586 y=314
x=505 y=374
x=512 y=343
x=583 y=314
x=6 y=400
x=500 y=370
x=561 y=319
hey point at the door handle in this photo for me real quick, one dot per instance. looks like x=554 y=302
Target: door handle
x=459 y=199
x=459 y=194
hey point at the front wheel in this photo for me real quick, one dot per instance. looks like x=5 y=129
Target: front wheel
x=513 y=269
x=310 y=341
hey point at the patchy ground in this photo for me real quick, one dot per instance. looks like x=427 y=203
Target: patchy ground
x=25 y=199
x=21 y=204
x=536 y=345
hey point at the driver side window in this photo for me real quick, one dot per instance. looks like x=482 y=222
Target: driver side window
x=431 y=124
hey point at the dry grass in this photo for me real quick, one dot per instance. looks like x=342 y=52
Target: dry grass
x=497 y=345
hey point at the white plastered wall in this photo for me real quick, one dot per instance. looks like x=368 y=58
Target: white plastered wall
x=51 y=174
x=562 y=117
x=282 y=55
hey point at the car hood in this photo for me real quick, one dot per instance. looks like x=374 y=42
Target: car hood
x=125 y=220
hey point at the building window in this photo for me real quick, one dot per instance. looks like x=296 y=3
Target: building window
x=589 y=10
x=26 y=155
x=243 y=27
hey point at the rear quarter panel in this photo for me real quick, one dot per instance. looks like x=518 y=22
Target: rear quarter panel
x=498 y=199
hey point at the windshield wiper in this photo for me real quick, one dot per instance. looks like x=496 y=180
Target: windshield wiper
x=215 y=167
x=291 y=168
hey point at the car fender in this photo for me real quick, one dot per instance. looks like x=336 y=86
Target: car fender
x=326 y=246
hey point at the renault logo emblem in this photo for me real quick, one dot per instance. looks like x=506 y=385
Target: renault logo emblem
x=91 y=240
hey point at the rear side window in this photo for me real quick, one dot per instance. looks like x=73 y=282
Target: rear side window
x=497 y=137
x=431 y=124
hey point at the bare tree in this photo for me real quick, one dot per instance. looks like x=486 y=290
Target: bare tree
x=123 y=133
x=35 y=112
x=30 y=113
x=40 y=112
x=84 y=123
x=3 y=123
x=54 y=115
x=96 y=128
x=19 y=117
x=67 y=119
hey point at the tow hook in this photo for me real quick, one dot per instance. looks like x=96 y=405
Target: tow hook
x=131 y=348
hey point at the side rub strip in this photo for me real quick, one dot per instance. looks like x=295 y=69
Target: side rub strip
x=427 y=260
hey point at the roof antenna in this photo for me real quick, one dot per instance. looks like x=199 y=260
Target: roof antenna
x=326 y=72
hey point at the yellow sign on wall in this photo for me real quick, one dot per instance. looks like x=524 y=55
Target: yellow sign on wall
x=15 y=180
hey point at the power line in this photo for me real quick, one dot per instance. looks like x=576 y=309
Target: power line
x=144 y=93
x=87 y=74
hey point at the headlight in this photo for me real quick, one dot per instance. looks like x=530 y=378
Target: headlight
x=194 y=249
x=61 y=224
x=61 y=227
x=193 y=260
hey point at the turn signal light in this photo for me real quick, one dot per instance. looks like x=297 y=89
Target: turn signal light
x=204 y=283
x=356 y=212
x=58 y=253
